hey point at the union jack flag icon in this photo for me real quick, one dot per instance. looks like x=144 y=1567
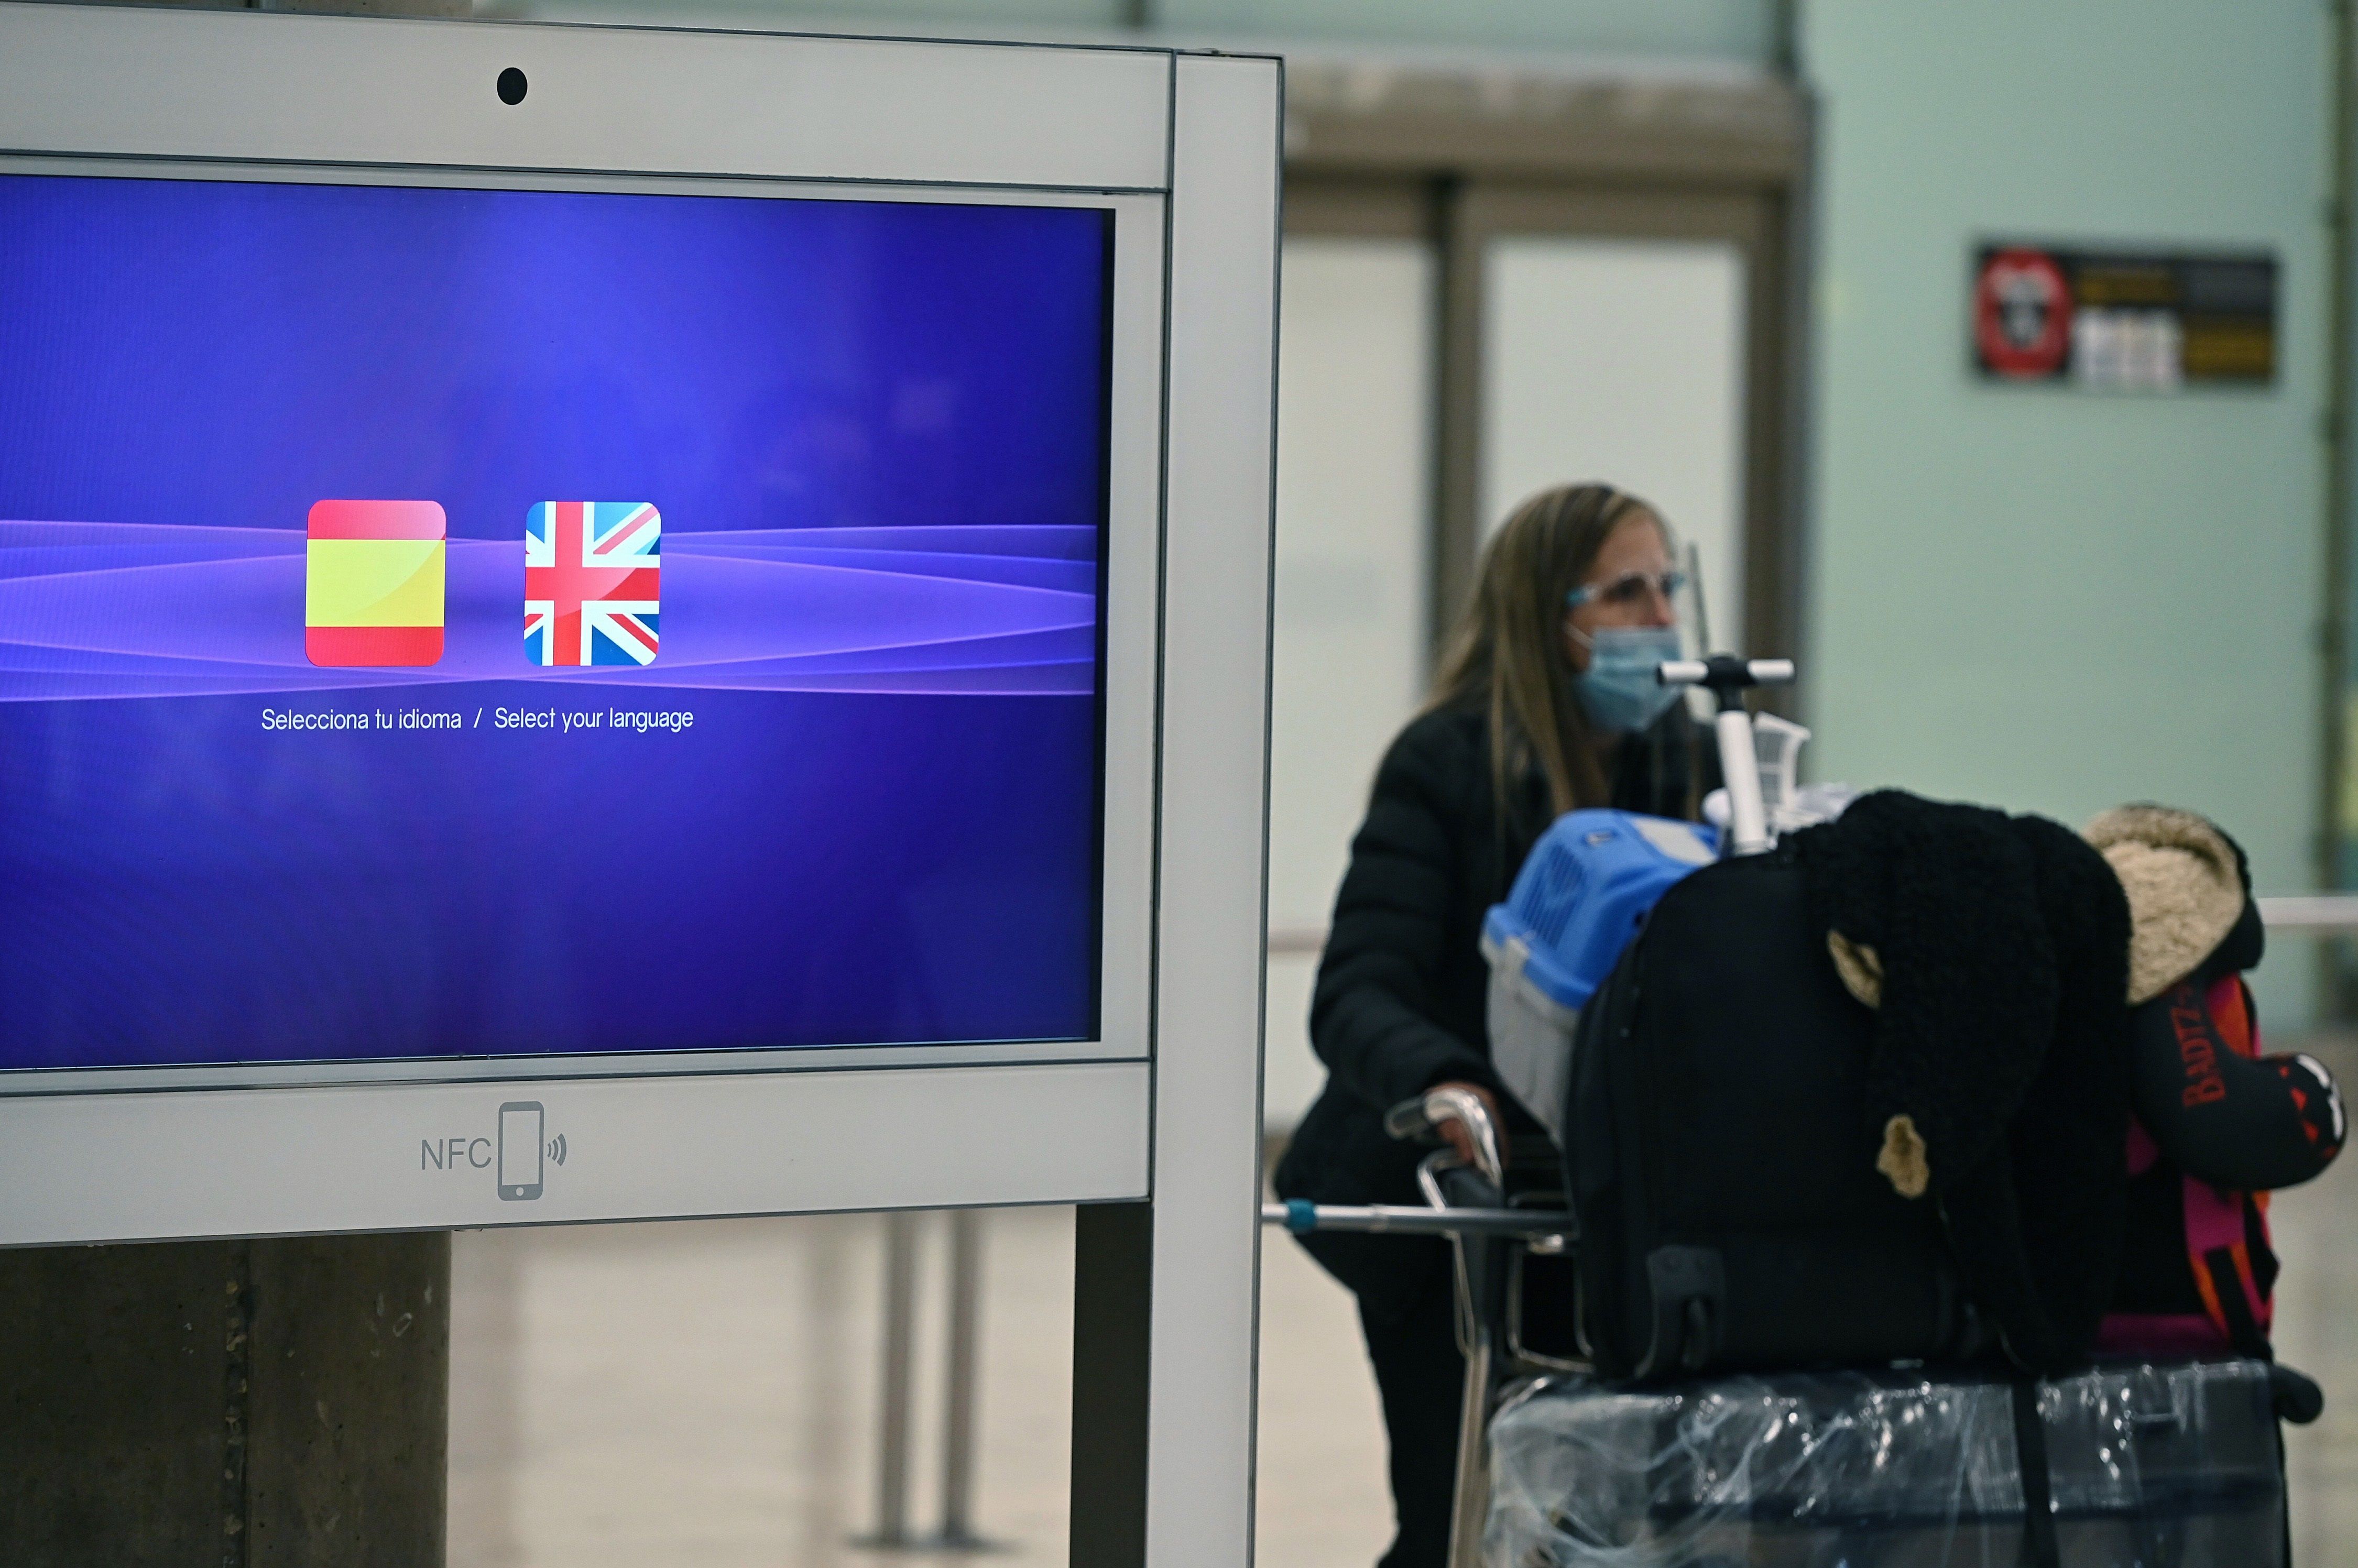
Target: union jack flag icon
x=593 y=570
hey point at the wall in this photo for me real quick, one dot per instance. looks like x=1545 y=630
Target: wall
x=2049 y=600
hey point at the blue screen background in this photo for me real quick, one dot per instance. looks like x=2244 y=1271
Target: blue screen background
x=876 y=433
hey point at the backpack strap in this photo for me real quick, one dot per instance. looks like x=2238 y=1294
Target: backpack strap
x=2219 y=1222
x=2228 y=1295
x=2040 y=1548
x=2230 y=1002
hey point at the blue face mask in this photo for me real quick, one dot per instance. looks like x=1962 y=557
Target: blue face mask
x=1618 y=689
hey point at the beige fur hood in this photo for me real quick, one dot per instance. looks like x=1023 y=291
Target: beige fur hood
x=2186 y=887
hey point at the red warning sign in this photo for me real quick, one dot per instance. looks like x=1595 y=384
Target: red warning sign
x=2022 y=314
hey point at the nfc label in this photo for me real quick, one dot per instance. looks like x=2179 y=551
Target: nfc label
x=522 y=1150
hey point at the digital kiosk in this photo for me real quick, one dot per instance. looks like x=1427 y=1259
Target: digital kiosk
x=605 y=624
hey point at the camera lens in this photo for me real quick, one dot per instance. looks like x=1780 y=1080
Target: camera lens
x=511 y=86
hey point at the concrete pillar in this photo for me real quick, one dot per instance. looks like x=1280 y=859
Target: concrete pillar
x=245 y=1404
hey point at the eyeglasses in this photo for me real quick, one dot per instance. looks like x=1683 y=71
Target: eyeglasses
x=1630 y=587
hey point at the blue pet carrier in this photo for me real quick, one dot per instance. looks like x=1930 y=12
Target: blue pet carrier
x=1582 y=893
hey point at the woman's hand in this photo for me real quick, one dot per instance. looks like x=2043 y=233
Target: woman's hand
x=1459 y=1138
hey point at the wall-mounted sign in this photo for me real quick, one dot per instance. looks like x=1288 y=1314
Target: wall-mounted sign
x=2144 y=320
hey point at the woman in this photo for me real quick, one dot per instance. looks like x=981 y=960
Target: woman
x=1546 y=702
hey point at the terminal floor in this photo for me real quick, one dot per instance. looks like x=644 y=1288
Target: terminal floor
x=705 y=1394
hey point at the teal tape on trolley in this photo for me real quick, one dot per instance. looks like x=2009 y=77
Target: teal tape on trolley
x=1300 y=1216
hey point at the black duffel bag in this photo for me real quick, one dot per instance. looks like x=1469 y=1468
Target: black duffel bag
x=1720 y=1157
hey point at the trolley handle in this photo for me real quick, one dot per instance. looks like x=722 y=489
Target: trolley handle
x=1425 y=1116
x=1728 y=677
x=1550 y=1229
x=1725 y=675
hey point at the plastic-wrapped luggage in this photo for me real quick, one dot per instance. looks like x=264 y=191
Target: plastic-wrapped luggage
x=2151 y=1467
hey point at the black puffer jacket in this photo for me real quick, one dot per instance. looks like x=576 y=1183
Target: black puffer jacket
x=1401 y=990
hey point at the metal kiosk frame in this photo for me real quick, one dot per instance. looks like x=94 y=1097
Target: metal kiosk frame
x=1154 y=1128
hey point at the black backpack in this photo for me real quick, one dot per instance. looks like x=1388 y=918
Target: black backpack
x=1719 y=1160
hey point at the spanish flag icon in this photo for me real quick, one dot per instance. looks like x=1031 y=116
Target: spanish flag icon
x=372 y=582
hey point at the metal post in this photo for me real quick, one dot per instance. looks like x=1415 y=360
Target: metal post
x=1113 y=1290
x=892 y=1414
x=962 y=1370
x=1470 y=1509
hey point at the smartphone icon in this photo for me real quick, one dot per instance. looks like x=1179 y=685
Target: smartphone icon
x=521 y=1122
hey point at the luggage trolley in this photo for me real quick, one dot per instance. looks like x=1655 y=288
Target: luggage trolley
x=2160 y=1467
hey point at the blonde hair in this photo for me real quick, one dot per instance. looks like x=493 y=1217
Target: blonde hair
x=1508 y=655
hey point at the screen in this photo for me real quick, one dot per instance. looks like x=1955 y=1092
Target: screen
x=520 y=1146
x=449 y=621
